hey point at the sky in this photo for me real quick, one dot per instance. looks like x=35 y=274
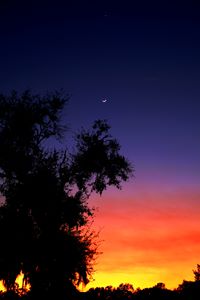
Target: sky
x=143 y=58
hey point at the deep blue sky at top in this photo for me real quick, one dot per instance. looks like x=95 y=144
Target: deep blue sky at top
x=142 y=56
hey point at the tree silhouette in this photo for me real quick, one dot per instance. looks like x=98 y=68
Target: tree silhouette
x=45 y=216
x=197 y=273
x=125 y=287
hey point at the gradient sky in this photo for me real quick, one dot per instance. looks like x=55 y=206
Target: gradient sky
x=144 y=59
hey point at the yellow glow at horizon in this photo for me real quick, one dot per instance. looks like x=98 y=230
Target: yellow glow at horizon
x=142 y=278
x=2 y=287
x=105 y=279
x=19 y=281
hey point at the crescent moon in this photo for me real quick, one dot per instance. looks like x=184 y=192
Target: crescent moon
x=104 y=100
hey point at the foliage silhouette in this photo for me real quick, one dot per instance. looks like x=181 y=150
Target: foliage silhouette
x=45 y=217
x=197 y=273
x=188 y=290
x=126 y=292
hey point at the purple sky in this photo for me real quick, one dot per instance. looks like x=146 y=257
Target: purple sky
x=144 y=59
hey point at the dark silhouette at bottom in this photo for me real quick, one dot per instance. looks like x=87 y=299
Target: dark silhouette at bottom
x=187 y=290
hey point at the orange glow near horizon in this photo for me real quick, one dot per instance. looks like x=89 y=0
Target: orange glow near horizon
x=148 y=238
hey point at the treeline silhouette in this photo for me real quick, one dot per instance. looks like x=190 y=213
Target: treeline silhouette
x=187 y=290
